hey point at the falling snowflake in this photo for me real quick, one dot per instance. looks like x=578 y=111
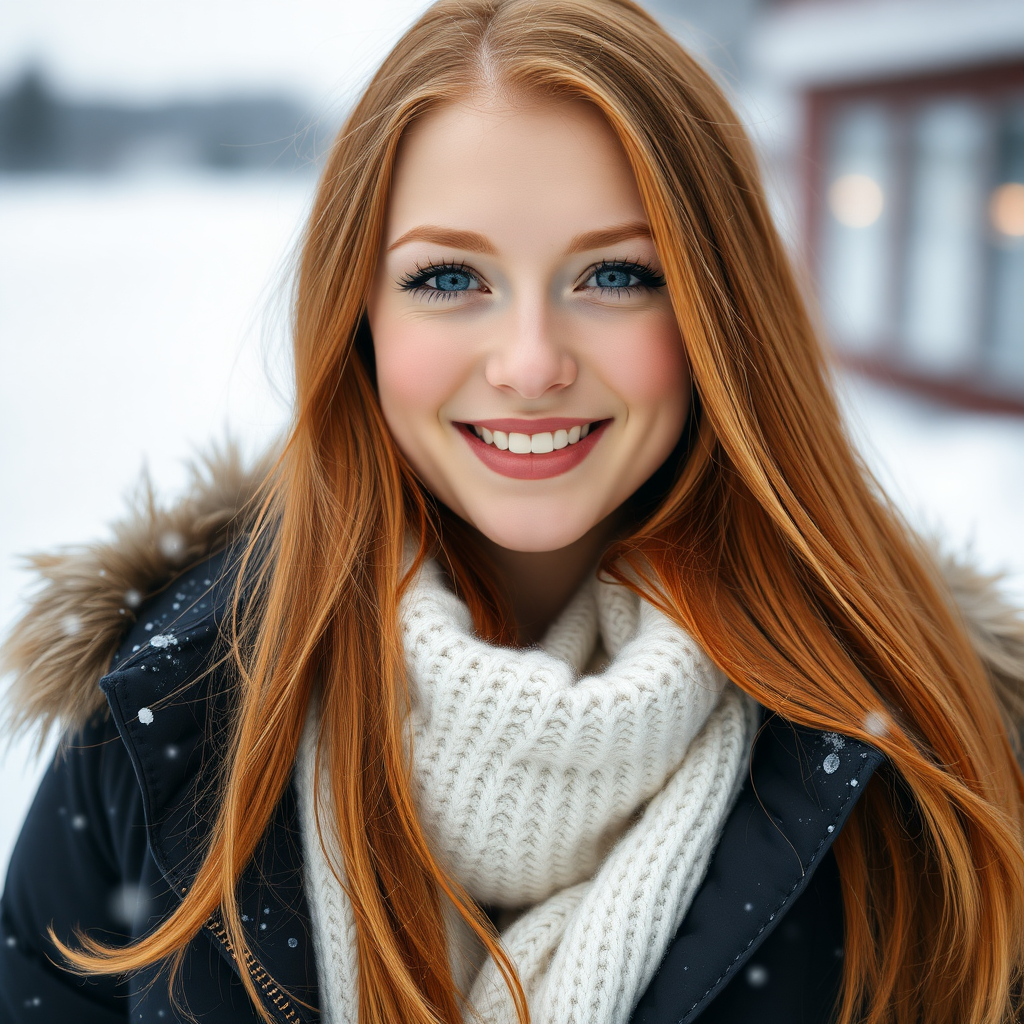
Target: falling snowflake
x=172 y=546
x=757 y=976
x=831 y=763
x=876 y=723
x=71 y=625
x=146 y=716
x=79 y=822
x=129 y=903
x=293 y=943
x=132 y=598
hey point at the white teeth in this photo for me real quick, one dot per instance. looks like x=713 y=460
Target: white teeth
x=523 y=444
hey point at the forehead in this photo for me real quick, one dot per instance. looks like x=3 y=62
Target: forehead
x=543 y=166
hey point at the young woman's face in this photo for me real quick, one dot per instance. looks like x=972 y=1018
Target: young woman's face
x=529 y=364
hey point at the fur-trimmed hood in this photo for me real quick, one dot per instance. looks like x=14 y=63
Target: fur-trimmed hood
x=87 y=596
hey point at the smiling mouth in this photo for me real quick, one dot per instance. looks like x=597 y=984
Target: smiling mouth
x=534 y=456
x=533 y=444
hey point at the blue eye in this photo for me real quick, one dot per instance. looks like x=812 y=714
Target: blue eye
x=441 y=281
x=614 y=277
x=623 y=277
x=452 y=281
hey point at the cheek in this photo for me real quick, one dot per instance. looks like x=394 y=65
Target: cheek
x=647 y=364
x=417 y=370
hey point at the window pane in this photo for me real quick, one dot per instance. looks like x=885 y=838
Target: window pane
x=855 y=243
x=944 y=240
x=1006 y=219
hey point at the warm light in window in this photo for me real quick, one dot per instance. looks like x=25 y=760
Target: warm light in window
x=855 y=200
x=1006 y=209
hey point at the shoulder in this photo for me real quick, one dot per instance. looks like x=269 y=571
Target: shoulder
x=177 y=625
x=92 y=603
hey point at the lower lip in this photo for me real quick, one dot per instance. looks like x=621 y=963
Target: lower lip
x=533 y=466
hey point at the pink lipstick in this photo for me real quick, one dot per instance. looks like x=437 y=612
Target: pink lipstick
x=532 y=465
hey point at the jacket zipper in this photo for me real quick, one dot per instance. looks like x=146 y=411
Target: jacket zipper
x=271 y=992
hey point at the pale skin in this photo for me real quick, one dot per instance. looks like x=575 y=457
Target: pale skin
x=518 y=282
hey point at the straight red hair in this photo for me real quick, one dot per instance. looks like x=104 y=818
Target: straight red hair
x=771 y=546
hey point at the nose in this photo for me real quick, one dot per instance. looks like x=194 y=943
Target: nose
x=528 y=359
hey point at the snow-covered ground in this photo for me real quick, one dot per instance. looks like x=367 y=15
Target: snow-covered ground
x=958 y=476
x=138 y=319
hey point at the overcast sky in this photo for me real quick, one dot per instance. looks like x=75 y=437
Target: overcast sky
x=316 y=50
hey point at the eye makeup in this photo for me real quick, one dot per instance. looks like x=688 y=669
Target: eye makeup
x=444 y=279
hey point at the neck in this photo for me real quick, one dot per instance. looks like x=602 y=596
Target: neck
x=540 y=583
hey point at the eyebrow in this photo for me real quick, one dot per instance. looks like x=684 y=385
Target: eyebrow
x=473 y=241
x=608 y=236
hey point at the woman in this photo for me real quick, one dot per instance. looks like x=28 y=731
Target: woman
x=381 y=746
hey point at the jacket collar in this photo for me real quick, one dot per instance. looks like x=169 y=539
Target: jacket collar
x=802 y=787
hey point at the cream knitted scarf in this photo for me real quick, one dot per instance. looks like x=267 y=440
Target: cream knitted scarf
x=586 y=806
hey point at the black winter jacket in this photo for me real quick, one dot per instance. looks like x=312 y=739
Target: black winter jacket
x=115 y=834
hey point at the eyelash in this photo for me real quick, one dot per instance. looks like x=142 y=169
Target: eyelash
x=416 y=281
x=649 y=279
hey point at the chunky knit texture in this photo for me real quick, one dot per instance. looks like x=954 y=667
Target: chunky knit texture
x=585 y=807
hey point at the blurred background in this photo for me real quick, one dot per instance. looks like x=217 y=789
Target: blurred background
x=157 y=159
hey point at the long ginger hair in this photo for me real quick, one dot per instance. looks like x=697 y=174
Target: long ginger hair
x=770 y=545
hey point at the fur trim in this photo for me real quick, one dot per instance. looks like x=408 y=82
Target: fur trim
x=77 y=618
x=64 y=643
x=996 y=629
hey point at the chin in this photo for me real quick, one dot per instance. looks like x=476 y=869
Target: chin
x=525 y=533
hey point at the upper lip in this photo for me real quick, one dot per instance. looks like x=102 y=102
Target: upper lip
x=538 y=426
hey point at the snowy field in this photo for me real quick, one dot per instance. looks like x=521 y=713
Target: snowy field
x=140 y=318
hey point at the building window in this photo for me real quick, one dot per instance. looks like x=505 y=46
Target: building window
x=857 y=243
x=1006 y=220
x=917 y=228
